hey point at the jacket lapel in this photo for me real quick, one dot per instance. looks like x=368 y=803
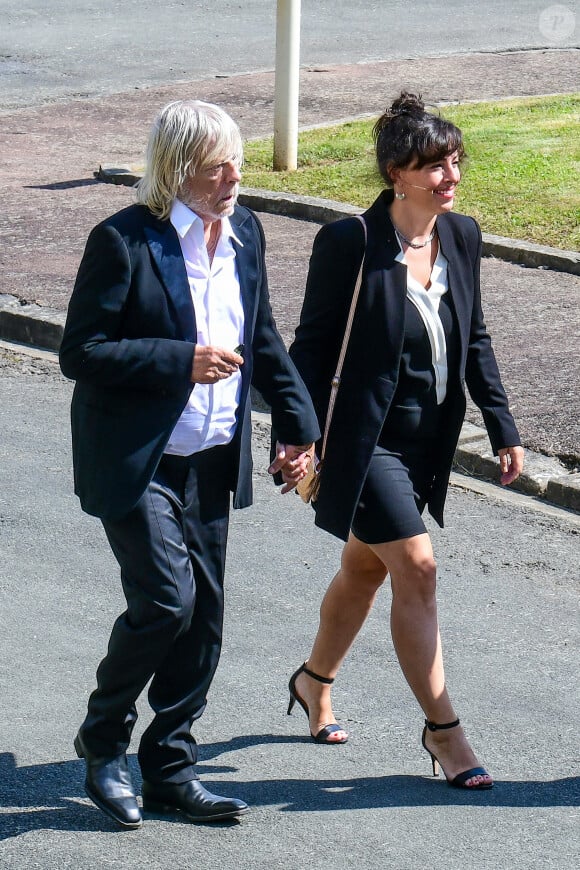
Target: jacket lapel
x=460 y=293
x=385 y=274
x=166 y=252
x=248 y=268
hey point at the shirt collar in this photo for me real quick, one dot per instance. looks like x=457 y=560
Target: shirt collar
x=183 y=218
x=439 y=266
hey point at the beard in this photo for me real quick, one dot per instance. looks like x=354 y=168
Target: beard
x=207 y=206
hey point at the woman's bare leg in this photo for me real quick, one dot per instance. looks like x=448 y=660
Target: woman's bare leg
x=417 y=642
x=345 y=606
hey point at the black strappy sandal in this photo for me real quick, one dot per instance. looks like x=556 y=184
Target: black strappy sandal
x=327 y=730
x=461 y=778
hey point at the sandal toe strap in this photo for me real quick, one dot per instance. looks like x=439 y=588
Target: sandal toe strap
x=326 y=731
x=461 y=778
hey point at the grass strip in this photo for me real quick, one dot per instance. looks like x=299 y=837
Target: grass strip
x=521 y=179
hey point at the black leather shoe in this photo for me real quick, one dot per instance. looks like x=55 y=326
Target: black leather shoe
x=108 y=784
x=192 y=799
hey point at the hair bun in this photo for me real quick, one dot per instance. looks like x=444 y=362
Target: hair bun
x=407 y=104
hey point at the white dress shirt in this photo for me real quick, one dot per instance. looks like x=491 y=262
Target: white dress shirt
x=209 y=418
x=427 y=304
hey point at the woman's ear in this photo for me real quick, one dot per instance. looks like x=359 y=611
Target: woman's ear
x=392 y=172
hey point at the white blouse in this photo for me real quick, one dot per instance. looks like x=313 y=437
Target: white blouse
x=427 y=304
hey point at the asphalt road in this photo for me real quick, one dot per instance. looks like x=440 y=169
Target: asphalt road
x=509 y=590
x=509 y=570
x=51 y=201
x=85 y=49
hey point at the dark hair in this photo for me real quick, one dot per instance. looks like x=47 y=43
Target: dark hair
x=406 y=134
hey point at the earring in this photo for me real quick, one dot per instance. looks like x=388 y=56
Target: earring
x=400 y=195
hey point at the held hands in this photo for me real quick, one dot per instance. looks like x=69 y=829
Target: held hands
x=212 y=364
x=292 y=462
x=511 y=463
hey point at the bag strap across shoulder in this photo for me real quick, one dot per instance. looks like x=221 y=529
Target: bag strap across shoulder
x=336 y=379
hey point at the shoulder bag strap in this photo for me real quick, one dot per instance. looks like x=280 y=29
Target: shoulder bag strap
x=336 y=379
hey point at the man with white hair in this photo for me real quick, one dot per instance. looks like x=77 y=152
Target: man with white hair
x=168 y=326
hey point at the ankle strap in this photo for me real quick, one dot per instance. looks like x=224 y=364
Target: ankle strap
x=326 y=680
x=432 y=726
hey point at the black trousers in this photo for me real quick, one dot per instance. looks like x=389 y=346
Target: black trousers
x=171 y=549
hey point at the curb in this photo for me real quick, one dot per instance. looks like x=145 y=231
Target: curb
x=32 y=325
x=324 y=211
x=544 y=477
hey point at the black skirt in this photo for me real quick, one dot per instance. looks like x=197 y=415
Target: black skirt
x=395 y=492
x=400 y=476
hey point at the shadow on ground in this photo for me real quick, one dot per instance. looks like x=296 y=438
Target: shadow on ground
x=50 y=796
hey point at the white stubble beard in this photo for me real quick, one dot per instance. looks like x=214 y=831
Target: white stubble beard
x=201 y=206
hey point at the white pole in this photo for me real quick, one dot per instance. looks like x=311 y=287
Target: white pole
x=287 y=85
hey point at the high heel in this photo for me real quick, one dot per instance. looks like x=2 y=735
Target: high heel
x=461 y=778
x=326 y=730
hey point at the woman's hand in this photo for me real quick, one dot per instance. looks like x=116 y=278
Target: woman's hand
x=292 y=462
x=511 y=463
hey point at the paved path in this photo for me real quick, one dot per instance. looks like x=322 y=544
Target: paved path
x=508 y=594
x=51 y=201
x=73 y=49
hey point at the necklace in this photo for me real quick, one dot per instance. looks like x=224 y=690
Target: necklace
x=416 y=245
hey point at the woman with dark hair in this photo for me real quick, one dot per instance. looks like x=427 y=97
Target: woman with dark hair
x=418 y=338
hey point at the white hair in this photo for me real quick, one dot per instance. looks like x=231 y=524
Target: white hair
x=187 y=136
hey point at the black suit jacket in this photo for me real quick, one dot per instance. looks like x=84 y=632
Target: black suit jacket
x=129 y=341
x=371 y=367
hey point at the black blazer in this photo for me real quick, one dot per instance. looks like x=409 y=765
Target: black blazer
x=129 y=341
x=371 y=367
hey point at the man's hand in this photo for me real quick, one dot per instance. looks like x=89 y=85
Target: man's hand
x=292 y=462
x=213 y=364
x=511 y=463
